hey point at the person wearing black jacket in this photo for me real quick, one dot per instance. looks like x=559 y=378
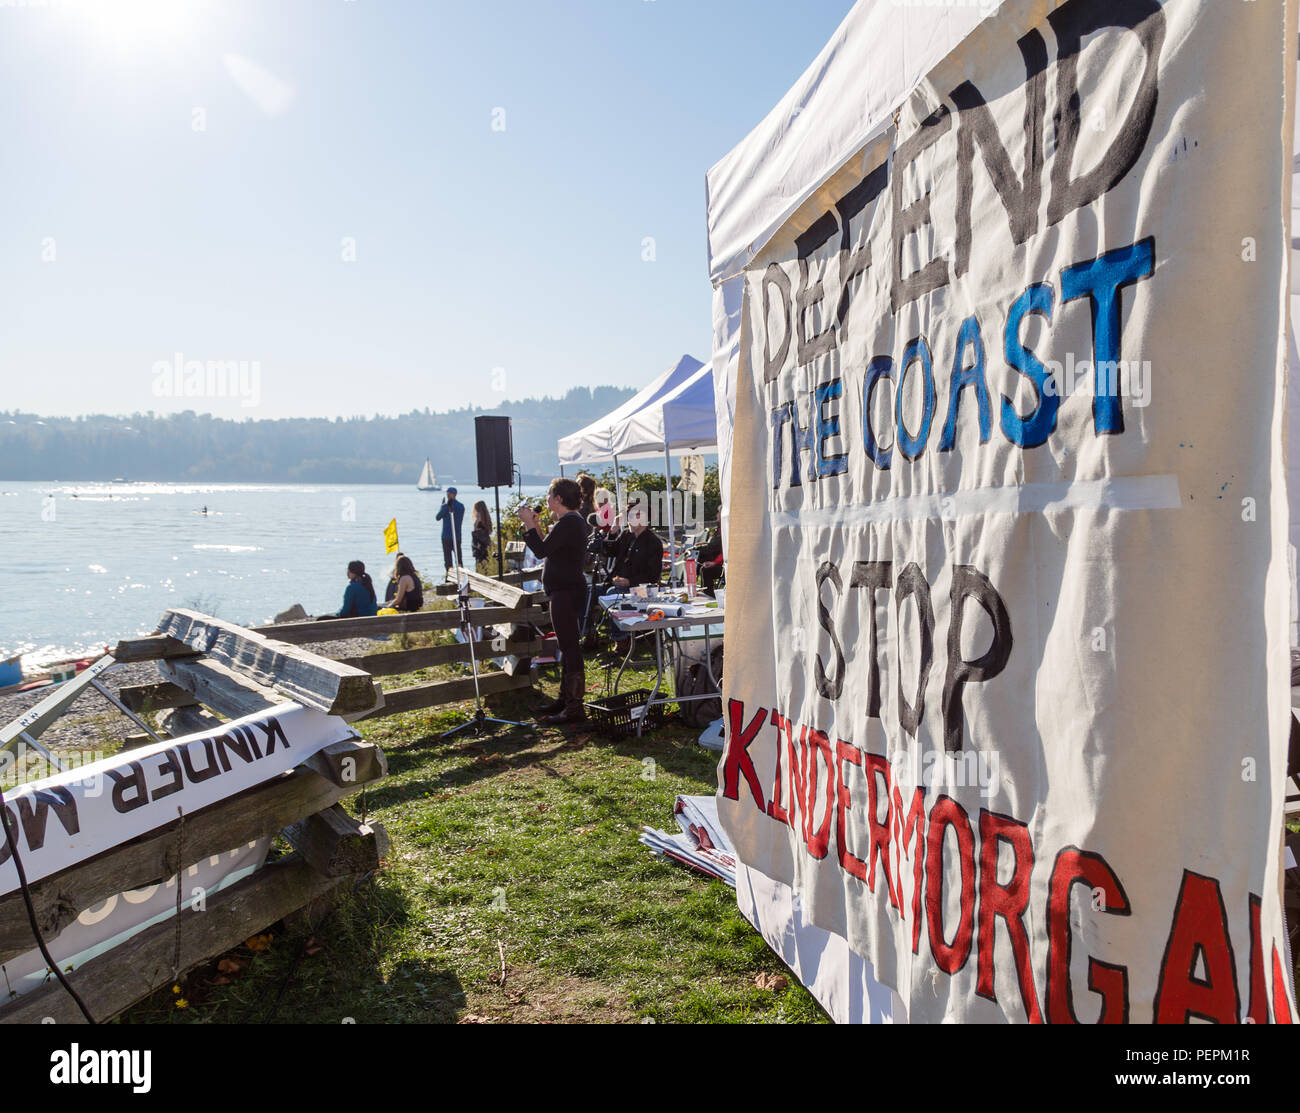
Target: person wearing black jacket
x=638 y=558
x=564 y=548
x=638 y=553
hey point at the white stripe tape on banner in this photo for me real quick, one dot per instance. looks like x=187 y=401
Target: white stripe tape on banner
x=1149 y=492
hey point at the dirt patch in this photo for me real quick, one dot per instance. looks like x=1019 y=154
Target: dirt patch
x=532 y=996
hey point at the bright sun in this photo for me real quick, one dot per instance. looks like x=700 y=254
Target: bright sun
x=128 y=25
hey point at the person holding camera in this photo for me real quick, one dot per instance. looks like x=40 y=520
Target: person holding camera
x=564 y=549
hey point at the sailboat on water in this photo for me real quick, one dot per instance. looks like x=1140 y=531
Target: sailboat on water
x=428 y=481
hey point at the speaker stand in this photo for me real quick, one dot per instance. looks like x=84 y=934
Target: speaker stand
x=480 y=718
x=501 y=560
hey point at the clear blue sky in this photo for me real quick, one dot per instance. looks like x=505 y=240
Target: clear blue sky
x=128 y=234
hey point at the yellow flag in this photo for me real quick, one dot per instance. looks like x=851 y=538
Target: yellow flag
x=390 y=537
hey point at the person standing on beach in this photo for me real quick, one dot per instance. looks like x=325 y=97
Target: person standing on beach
x=451 y=514
x=563 y=548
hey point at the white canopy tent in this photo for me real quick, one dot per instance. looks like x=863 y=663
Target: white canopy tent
x=595 y=441
x=673 y=414
x=848 y=96
x=684 y=420
x=844 y=100
x=1293 y=405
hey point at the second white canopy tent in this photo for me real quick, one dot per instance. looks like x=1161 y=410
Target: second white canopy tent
x=673 y=415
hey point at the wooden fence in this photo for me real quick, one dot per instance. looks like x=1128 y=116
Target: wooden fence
x=212 y=671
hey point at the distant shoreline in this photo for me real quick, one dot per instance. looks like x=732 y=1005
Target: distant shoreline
x=119 y=481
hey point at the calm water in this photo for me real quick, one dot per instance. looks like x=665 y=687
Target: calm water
x=103 y=561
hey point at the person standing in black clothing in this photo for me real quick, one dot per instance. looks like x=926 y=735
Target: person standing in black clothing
x=563 y=548
x=451 y=514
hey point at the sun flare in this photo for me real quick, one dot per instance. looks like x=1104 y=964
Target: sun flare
x=129 y=25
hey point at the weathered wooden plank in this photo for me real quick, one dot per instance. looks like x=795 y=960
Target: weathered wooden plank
x=336 y=844
x=301 y=676
x=338 y=629
x=222 y=689
x=348 y=766
x=353 y=716
x=448 y=691
x=411 y=660
x=187 y=720
x=261 y=810
x=514 y=665
x=117 y=979
x=135 y=741
x=146 y=698
x=507 y=595
x=152 y=648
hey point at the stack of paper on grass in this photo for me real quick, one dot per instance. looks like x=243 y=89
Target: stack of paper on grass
x=702 y=844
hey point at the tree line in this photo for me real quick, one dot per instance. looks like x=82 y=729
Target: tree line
x=191 y=446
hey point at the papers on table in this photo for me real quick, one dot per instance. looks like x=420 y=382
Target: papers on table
x=702 y=844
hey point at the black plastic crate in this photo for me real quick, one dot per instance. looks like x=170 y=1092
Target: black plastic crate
x=613 y=715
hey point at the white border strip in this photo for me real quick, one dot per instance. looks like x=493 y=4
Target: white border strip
x=1148 y=492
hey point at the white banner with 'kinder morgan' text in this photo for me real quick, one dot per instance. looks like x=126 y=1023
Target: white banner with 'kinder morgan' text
x=67 y=818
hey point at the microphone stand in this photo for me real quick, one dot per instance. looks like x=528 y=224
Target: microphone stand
x=480 y=718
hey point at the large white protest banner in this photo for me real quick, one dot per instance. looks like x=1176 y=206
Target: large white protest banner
x=1007 y=685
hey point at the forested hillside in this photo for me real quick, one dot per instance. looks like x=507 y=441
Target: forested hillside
x=190 y=446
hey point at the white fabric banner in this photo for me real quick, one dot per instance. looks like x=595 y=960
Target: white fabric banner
x=1008 y=681
x=72 y=816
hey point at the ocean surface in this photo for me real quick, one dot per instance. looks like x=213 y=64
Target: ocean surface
x=85 y=564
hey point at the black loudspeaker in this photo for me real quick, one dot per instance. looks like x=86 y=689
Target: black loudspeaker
x=496 y=454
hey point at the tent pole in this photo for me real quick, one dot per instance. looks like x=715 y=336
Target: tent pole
x=618 y=489
x=561 y=471
x=668 y=497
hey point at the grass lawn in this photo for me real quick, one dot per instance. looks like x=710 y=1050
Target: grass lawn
x=516 y=852
x=513 y=854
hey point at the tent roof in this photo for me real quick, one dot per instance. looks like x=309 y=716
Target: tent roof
x=847 y=96
x=595 y=441
x=681 y=421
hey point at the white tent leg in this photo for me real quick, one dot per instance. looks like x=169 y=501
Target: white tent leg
x=668 y=478
x=618 y=489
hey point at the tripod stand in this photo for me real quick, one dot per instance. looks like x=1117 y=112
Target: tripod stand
x=480 y=718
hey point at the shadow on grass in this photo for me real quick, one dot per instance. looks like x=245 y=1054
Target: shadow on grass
x=490 y=755
x=321 y=966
